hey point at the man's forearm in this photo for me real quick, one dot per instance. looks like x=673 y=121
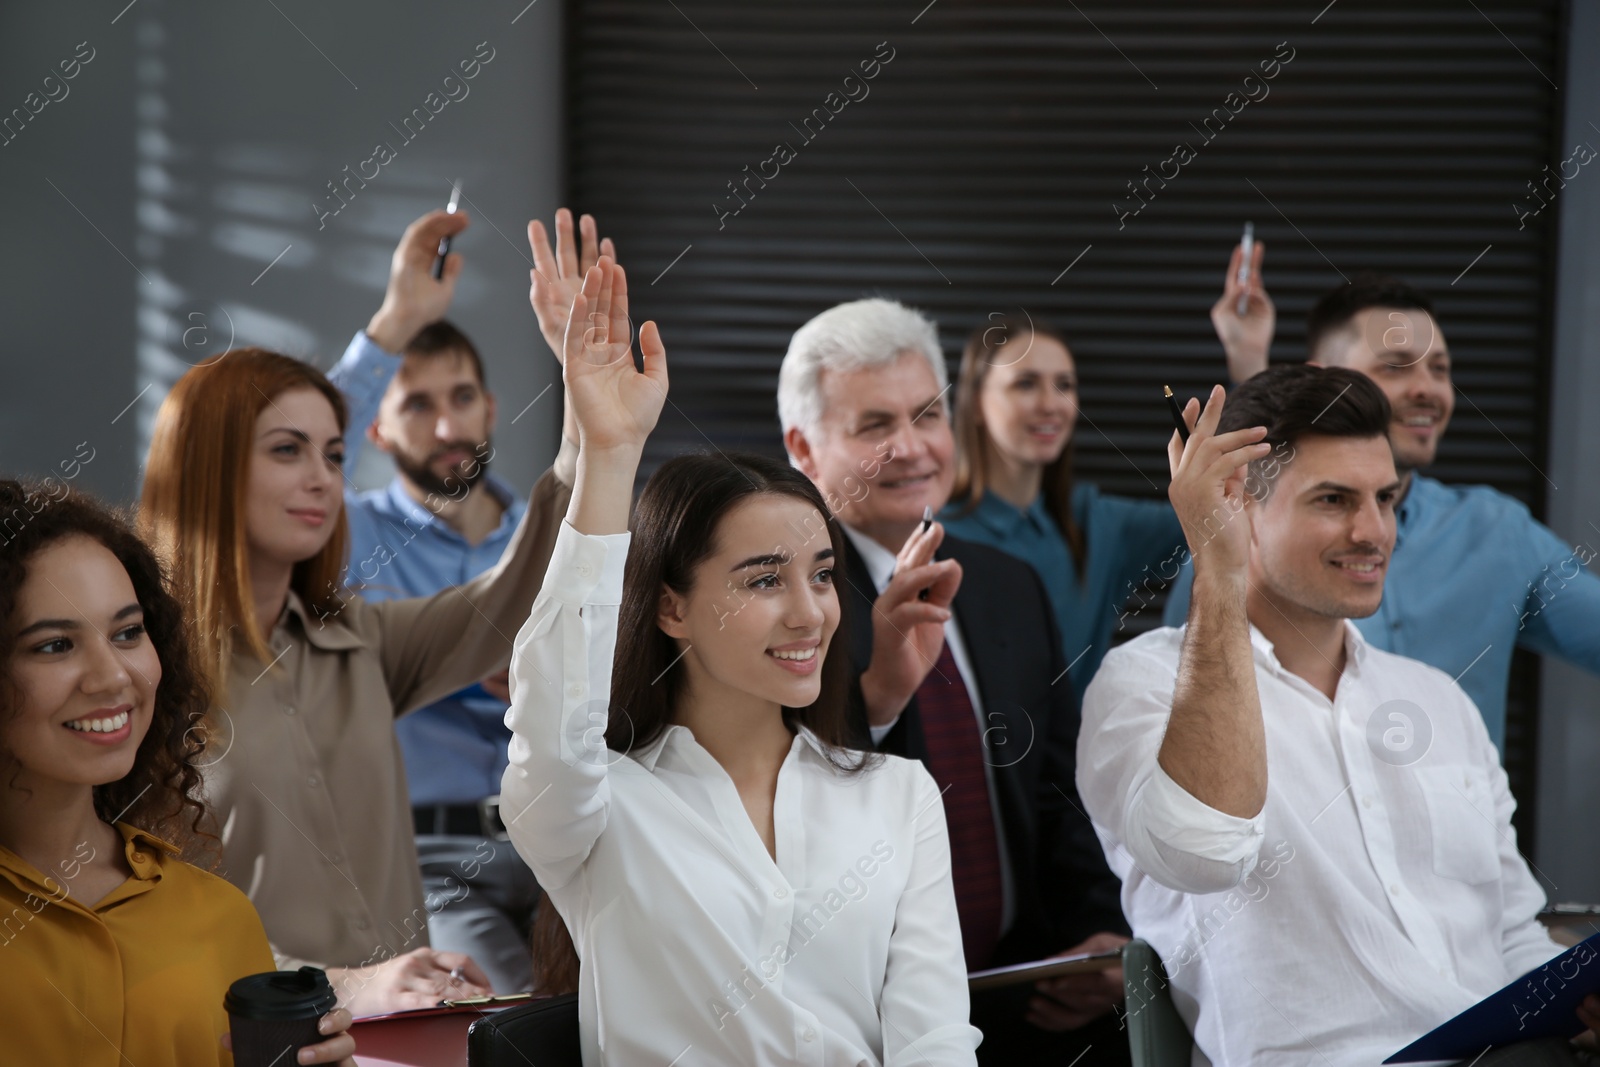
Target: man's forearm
x=1215 y=744
x=1245 y=361
x=391 y=330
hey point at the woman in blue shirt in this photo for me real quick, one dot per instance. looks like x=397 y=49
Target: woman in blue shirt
x=1016 y=406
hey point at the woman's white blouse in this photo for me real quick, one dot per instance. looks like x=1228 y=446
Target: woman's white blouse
x=696 y=946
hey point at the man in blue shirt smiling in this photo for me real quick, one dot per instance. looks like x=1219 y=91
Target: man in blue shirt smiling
x=416 y=388
x=1474 y=574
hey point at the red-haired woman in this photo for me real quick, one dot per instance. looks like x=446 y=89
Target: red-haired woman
x=243 y=498
x=112 y=948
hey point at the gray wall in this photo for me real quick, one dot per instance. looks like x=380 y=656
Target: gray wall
x=1569 y=718
x=146 y=203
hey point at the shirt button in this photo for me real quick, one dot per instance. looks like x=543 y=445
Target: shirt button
x=337 y=857
x=361 y=924
x=576 y=689
x=781 y=893
x=1394 y=890
x=584 y=570
x=313 y=781
x=288 y=709
x=808 y=1034
x=1366 y=802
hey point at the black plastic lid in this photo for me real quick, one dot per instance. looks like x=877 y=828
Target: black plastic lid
x=279 y=995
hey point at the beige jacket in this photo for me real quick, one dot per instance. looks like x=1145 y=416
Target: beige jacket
x=305 y=777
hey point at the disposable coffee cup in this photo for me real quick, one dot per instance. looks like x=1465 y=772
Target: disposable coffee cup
x=272 y=1016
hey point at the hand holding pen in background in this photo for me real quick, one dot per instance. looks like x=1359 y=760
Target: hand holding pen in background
x=1243 y=315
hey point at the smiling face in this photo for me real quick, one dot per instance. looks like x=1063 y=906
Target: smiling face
x=1322 y=538
x=435 y=420
x=1029 y=406
x=84 y=668
x=883 y=450
x=762 y=611
x=1404 y=352
x=296 y=482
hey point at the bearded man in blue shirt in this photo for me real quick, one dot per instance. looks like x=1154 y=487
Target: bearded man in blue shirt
x=416 y=389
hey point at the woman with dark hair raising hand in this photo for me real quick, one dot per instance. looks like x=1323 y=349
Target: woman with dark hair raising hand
x=736 y=881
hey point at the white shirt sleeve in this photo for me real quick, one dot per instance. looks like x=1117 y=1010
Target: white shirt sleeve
x=1171 y=836
x=554 y=795
x=924 y=1003
x=362 y=375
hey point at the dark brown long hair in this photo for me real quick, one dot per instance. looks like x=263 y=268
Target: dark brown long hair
x=990 y=342
x=674 y=531
x=161 y=793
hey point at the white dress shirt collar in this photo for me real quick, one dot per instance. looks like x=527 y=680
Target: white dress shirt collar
x=879 y=560
x=1355 y=648
x=649 y=755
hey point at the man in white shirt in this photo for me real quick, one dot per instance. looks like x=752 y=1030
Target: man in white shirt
x=1313 y=833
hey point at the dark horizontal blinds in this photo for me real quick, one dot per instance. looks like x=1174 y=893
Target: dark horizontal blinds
x=995 y=150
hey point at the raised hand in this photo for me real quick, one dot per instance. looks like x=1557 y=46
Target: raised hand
x=1208 y=486
x=414 y=297
x=616 y=406
x=907 y=630
x=558 y=276
x=1246 y=338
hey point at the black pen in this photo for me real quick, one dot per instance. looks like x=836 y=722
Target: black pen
x=927 y=521
x=444 y=242
x=1177 y=414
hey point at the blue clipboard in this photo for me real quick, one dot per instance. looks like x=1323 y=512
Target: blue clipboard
x=1542 y=1003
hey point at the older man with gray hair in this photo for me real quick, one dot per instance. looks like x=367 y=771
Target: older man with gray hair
x=960 y=667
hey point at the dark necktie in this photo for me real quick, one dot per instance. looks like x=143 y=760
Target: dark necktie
x=956 y=761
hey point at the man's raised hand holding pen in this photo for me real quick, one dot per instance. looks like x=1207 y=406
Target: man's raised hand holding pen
x=1215 y=742
x=414 y=297
x=1246 y=336
x=908 y=620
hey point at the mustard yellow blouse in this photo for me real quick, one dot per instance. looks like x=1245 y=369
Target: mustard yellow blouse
x=138 y=978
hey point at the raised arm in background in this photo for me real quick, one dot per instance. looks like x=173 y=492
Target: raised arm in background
x=412 y=299
x=1246 y=338
x=555 y=281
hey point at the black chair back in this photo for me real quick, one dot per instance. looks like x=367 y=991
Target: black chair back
x=542 y=1033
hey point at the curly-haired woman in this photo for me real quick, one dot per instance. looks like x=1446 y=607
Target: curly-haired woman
x=112 y=947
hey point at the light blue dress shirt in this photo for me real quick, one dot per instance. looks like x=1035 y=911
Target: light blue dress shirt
x=1123 y=537
x=1473 y=576
x=455 y=750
